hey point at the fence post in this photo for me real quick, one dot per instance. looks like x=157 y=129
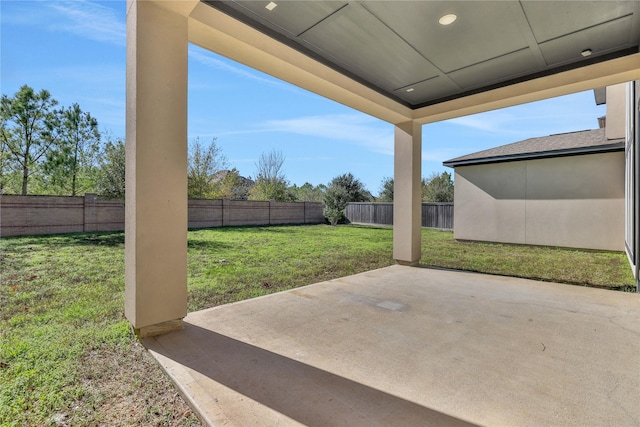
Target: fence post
x=90 y=212
x=224 y=205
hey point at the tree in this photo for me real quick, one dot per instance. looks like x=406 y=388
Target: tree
x=24 y=132
x=355 y=189
x=308 y=193
x=6 y=171
x=111 y=173
x=335 y=200
x=343 y=189
x=271 y=183
x=234 y=186
x=438 y=188
x=76 y=139
x=386 y=190
x=204 y=162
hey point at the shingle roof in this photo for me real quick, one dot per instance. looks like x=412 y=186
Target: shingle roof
x=562 y=144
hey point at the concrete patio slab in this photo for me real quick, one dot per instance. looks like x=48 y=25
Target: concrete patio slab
x=408 y=346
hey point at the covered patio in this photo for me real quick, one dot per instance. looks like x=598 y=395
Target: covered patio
x=402 y=345
x=392 y=60
x=412 y=346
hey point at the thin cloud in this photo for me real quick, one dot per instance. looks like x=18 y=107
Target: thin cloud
x=501 y=123
x=563 y=114
x=243 y=160
x=106 y=76
x=88 y=20
x=526 y=126
x=98 y=85
x=492 y=123
x=206 y=59
x=254 y=161
x=443 y=154
x=309 y=159
x=22 y=13
x=351 y=128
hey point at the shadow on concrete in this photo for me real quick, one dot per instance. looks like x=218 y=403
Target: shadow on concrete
x=299 y=391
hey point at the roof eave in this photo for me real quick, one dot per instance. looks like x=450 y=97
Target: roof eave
x=542 y=155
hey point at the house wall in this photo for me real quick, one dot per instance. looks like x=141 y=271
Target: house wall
x=575 y=201
x=632 y=215
x=616 y=111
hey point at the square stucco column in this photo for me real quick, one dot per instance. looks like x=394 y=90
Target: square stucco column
x=156 y=169
x=407 y=197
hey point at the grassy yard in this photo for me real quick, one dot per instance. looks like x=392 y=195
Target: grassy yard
x=67 y=356
x=600 y=269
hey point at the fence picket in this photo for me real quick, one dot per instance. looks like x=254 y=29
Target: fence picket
x=434 y=215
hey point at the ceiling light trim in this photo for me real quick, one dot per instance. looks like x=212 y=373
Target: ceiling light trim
x=447 y=19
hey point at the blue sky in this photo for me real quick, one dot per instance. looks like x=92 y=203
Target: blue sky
x=76 y=50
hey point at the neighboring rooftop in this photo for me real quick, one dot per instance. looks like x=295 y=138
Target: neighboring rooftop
x=562 y=144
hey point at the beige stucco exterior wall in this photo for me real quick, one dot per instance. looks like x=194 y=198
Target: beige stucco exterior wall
x=575 y=201
x=616 y=111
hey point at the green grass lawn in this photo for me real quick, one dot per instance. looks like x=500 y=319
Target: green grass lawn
x=601 y=269
x=67 y=355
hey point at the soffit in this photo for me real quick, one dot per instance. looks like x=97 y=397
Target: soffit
x=399 y=49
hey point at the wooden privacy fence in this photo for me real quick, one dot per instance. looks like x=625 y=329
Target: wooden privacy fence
x=31 y=215
x=434 y=215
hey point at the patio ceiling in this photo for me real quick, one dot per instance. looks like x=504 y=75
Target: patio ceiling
x=400 y=50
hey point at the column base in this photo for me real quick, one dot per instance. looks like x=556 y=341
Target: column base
x=158 y=328
x=408 y=263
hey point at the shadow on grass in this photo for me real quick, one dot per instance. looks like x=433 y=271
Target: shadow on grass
x=23 y=244
x=207 y=297
x=275 y=228
x=202 y=244
x=110 y=239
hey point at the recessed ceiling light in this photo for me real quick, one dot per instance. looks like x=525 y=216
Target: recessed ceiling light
x=447 y=19
x=410 y=89
x=271 y=6
x=586 y=52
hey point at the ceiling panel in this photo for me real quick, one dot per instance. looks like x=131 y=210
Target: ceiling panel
x=437 y=87
x=504 y=67
x=392 y=46
x=551 y=19
x=603 y=38
x=367 y=48
x=483 y=30
x=292 y=16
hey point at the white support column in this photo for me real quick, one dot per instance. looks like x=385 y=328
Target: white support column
x=156 y=184
x=407 y=197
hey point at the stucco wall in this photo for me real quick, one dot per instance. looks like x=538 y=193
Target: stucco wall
x=575 y=201
x=616 y=111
